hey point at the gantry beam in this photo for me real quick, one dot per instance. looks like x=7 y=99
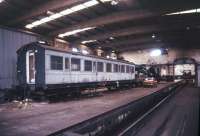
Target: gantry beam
x=50 y=5
x=122 y=32
x=142 y=46
x=108 y=19
x=120 y=44
x=170 y=41
x=169 y=25
x=112 y=18
x=130 y=31
x=144 y=40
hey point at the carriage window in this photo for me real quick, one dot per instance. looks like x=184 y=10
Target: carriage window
x=130 y=69
x=75 y=64
x=133 y=70
x=122 y=68
x=127 y=69
x=56 y=63
x=119 y=68
x=94 y=66
x=100 y=66
x=66 y=63
x=88 y=65
x=108 y=67
x=116 y=68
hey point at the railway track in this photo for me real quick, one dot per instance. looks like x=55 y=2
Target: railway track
x=133 y=127
x=173 y=116
x=123 y=120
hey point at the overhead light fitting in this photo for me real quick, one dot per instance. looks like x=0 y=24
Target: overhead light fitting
x=107 y=56
x=187 y=28
x=74 y=32
x=1 y=1
x=153 y=36
x=155 y=53
x=89 y=41
x=85 y=52
x=114 y=2
x=42 y=42
x=64 y=13
x=50 y=13
x=192 y=11
x=74 y=50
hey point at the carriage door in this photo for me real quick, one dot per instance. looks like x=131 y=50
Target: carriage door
x=30 y=67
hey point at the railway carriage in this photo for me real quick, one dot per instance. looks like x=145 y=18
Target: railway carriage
x=41 y=67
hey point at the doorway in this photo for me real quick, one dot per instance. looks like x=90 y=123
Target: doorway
x=30 y=67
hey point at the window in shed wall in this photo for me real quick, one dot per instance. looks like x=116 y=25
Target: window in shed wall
x=56 y=62
x=108 y=67
x=75 y=64
x=87 y=65
x=100 y=66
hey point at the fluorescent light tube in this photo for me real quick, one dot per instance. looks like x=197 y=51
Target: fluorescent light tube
x=64 y=13
x=192 y=11
x=89 y=41
x=75 y=32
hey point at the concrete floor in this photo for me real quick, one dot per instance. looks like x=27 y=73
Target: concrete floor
x=40 y=119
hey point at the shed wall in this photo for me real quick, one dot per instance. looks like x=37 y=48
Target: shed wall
x=143 y=56
x=10 y=42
